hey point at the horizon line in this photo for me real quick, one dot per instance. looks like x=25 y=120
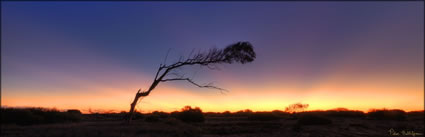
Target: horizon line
x=105 y=111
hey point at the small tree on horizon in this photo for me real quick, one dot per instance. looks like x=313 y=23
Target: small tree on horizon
x=240 y=52
x=297 y=107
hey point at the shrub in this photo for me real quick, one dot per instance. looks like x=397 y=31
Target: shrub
x=297 y=107
x=125 y=115
x=31 y=116
x=280 y=113
x=19 y=116
x=74 y=111
x=189 y=114
x=343 y=112
x=385 y=114
x=212 y=114
x=226 y=113
x=245 y=112
x=313 y=120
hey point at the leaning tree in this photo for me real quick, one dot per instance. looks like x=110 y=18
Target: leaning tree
x=240 y=52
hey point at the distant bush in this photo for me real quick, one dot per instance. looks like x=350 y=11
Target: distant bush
x=343 y=112
x=386 y=114
x=212 y=114
x=315 y=112
x=74 y=111
x=189 y=114
x=297 y=107
x=138 y=115
x=125 y=115
x=31 y=116
x=313 y=120
x=280 y=113
x=263 y=116
x=245 y=112
x=339 y=112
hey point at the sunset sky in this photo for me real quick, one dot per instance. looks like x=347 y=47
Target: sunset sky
x=96 y=55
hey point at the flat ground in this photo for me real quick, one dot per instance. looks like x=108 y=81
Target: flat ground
x=229 y=126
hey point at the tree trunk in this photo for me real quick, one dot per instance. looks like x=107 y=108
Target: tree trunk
x=132 y=106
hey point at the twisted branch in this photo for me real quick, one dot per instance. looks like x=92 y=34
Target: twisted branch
x=196 y=84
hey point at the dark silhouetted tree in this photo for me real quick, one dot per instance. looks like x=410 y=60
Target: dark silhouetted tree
x=240 y=52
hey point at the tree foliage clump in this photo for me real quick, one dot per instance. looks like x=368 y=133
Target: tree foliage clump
x=189 y=114
x=297 y=107
x=241 y=52
x=387 y=114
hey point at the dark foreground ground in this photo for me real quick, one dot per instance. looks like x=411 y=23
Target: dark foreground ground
x=221 y=126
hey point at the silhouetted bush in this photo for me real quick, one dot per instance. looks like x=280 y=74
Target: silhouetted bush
x=212 y=114
x=226 y=113
x=280 y=113
x=334 y=113
x=138 y=115
x=156 y=116
x=31 y=116
x=385 y=114
x=74 y=111
x=245 y=112
x=315 y=113
x=263 y=116
x=189 y=114
x=343 y=112
x=313 y=120
x=125 y=115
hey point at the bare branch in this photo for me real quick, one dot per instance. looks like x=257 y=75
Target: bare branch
x=191 y=53
x=209 y=85
x=159 y=69
x=241 y=52
x=181 y=57
x=166 y=56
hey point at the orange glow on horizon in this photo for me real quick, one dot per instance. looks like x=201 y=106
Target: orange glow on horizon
x=340 y=87
x=169 y=99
